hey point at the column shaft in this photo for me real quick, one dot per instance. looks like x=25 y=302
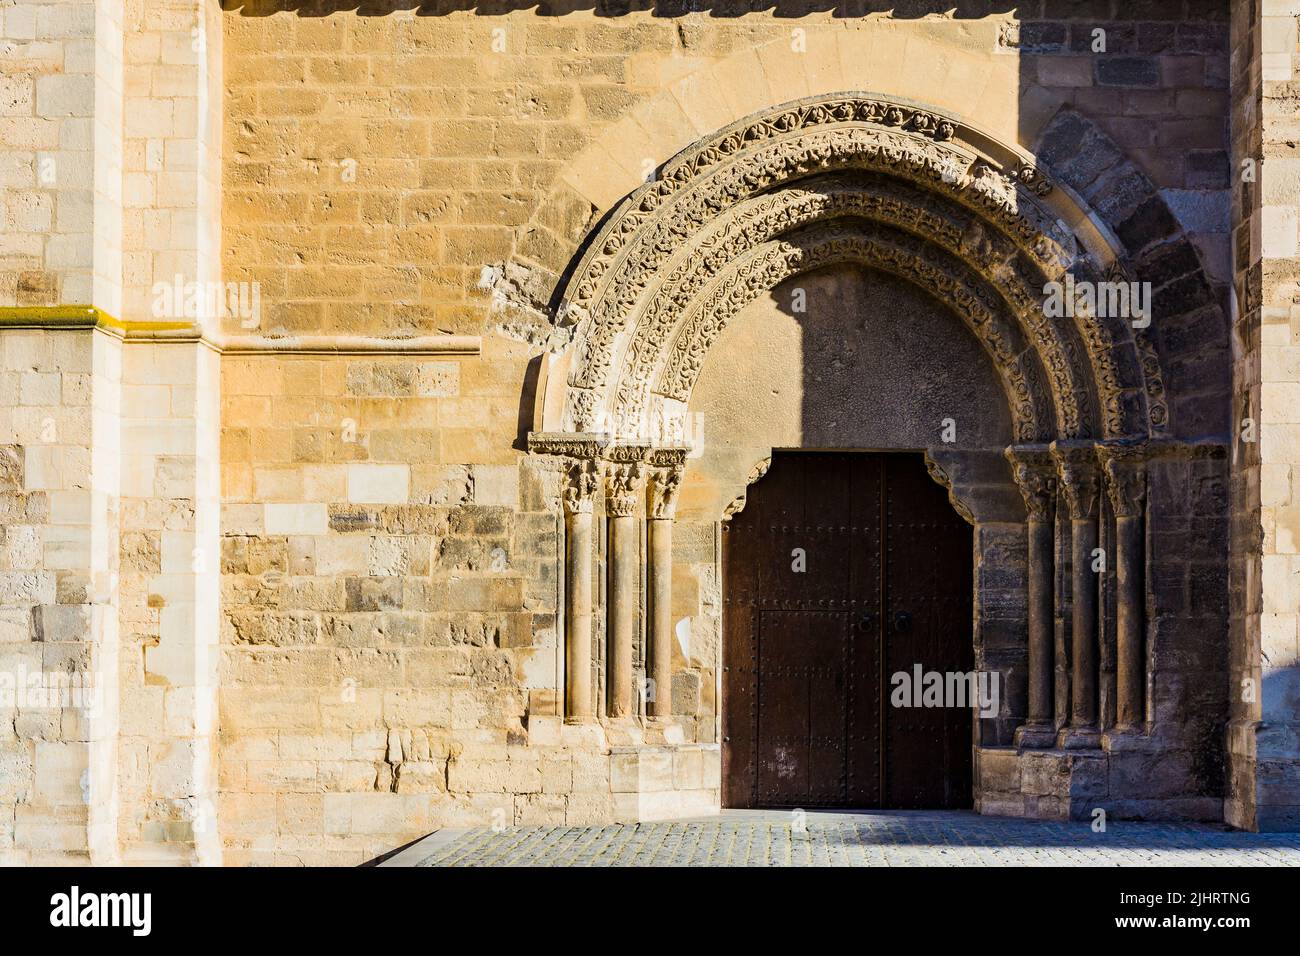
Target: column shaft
x=577 y=617
x=1035 y=475
x=1080 y=484
x=624 y=545
x=661 y=620
x=1041 y=651
x=1124 y=465
x=1083 y=678
x=1128 y=580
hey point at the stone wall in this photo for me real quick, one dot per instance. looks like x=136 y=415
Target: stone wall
x=336 y=570
x=1265 y=693
x=398 y=175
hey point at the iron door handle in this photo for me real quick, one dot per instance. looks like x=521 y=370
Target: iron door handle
x=902 y=622
x=867 y=619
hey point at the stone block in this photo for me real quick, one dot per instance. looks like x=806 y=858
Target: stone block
x=378 y=484
x=300 y=518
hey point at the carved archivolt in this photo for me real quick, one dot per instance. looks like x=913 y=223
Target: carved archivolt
x=682 y=252
x=915 y=214
x=771 y=264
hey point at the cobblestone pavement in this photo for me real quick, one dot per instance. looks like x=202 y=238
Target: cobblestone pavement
x=773 y=838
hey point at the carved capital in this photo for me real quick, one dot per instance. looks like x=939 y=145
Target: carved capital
x=1076 y=464
x=664 y=486
x=581 y=478
x=1124 y=464
x=1034 y=471
x=623 y=485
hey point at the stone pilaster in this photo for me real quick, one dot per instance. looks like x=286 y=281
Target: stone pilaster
x=1035 y=475
x=1077 y=470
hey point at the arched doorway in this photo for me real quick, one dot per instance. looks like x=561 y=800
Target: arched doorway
x=657 y=304
x=848 y=660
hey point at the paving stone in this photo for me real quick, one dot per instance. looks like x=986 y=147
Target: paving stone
x=899 y=838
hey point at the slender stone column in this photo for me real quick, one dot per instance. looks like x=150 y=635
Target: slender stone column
x=1035 y=474
x=623 y=485
x=663 y=504
x=580 y=487
x=1077 y=465
x=1125 y=469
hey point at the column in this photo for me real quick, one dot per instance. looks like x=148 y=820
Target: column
x=663 y=505
x=623 y=486
x=1035 y=474
x=581 y=480
x=1077 y=468
x=1125 y=470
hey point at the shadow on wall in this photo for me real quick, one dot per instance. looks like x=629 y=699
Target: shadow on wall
x=847 y=9
x=840 y=357
x=900 y=358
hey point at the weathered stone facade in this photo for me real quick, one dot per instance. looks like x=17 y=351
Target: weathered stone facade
x=427 y=532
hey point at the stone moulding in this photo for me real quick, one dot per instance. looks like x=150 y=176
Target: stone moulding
x=90 y=318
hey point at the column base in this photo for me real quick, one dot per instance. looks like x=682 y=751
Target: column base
x=663 y=730
x=1126 y=739
x=1035 y=736
x=1079 y=738
x=624 y=731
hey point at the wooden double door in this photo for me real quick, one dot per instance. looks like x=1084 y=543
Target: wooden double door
x=842 y=571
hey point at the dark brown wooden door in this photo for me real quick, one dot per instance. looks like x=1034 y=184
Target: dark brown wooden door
x=843 y=570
